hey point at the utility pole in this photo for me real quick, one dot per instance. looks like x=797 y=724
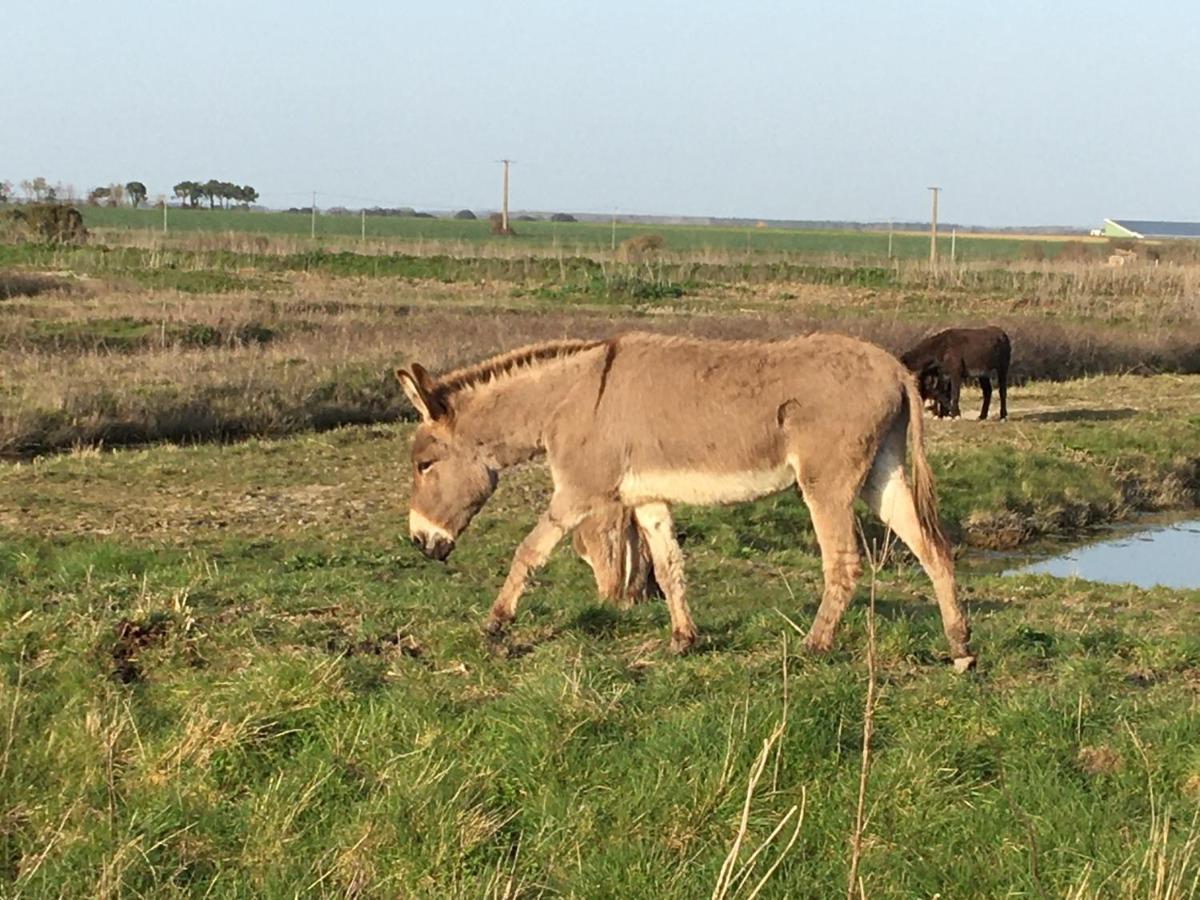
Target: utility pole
x=504 y=200
x=933 y=231
x=953 y=237
x=164 y=215
x=312 y=228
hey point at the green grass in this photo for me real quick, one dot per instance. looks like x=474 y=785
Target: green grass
x=224 y=672
x=572 y=236
x=1079 y=295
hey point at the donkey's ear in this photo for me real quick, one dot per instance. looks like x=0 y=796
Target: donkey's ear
x=424 y=379
x=418 y=386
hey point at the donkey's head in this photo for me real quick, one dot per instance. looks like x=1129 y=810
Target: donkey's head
x=452 y=477
x=934 y=385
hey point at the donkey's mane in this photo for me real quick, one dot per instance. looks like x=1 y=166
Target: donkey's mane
x=509 y=363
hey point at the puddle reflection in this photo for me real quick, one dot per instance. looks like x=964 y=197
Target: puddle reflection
x=1168 y=556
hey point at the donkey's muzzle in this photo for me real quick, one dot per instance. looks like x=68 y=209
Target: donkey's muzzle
x=433 y=546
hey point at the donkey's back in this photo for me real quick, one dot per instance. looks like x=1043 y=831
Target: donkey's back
x=681 y=404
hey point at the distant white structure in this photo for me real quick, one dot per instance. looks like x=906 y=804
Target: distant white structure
x=1146 y=228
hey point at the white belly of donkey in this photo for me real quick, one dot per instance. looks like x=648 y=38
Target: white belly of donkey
x=703 y=488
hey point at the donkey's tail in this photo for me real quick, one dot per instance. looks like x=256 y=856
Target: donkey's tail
x=924 y=495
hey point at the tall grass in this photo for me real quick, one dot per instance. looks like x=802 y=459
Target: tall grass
x=112 y=364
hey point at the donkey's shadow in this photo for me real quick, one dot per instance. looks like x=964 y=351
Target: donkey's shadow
x=1082 y=414
x=726 y=633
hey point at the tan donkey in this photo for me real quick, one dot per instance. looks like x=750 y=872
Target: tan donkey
x=646 y=421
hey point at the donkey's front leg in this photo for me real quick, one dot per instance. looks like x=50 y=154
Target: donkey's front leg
x=530 y=555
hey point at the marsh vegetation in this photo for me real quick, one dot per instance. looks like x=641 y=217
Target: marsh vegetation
x=224 y=671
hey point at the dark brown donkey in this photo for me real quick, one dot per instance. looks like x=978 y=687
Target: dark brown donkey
x=643 y=422
x=943 y=360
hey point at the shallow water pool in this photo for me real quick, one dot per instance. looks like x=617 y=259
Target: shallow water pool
x=1166 y=555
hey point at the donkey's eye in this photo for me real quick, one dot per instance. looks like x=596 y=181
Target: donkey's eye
x=423 y=467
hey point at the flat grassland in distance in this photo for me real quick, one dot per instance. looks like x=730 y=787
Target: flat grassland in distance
x=585 y=237
x=223 y=671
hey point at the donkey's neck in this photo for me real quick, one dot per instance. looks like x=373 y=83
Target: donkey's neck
x=508 y=414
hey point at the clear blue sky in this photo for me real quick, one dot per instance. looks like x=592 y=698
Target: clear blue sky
x=1024 y=112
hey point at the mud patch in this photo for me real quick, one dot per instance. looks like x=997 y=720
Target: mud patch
x=131 y=639
x=514 y=647
x=392 y=642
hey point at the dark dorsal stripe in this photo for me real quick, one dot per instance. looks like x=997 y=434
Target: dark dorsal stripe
x=508 y=363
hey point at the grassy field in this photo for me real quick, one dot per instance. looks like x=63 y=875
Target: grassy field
x=224 y=672
x=580 y=237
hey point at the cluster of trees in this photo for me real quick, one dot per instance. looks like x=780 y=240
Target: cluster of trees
x=39 y=190
x=223 y=192
x=116 y=194
x=402 y=211
x=35 y=190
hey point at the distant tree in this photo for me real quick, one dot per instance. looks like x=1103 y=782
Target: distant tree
x=211 y=190
x=563 y=217
x=136 y=192
x=247 y=195
x=116 y=194
x=96 y=195
x=40 y=189
x=464 y=214
x=6 y=190
x=189 y=192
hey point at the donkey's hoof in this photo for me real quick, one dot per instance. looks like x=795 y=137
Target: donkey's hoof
x=964 y=664
x=817 y=644
x=494 y=626
x=682 y=641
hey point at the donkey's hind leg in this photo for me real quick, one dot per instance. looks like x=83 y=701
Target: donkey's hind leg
x=833 y=522
x=985 y=385
x=1002 y=378
x=887 y=493
x=656 y=524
